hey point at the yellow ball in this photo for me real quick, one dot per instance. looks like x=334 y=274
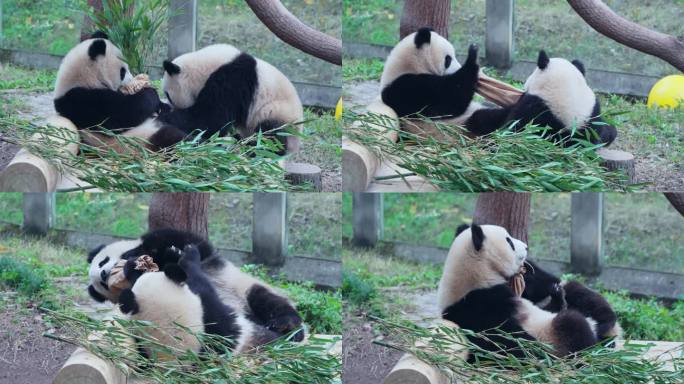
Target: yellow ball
x=667 y=92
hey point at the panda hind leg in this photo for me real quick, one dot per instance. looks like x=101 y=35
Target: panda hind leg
x=487 y=120
x=274 y=312
x=572 y=332
x=166 y=136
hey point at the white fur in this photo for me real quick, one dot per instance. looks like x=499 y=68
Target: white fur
x=114 y=251
x=466 y=269
x=564 y=89
x=536 y=321
x=406 y=58
x=78 y=70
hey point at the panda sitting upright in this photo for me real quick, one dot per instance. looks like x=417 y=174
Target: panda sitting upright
x=474 y=293
x=256 y=300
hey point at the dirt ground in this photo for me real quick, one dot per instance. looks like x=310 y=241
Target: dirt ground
x=649 y=167
x=364 y=362
x=26 y=356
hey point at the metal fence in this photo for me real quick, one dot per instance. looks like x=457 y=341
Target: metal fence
x=586 y=247
x=269 y=238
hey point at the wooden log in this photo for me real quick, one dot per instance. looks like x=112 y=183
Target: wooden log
x=410 y=370
x=615 y=160
x=84 y=367
x=302 y=173
x=30 y=173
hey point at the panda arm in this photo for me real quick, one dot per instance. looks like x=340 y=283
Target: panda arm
x=88 y=108
x=487 y=120
x=531 y=108
x=603 y=132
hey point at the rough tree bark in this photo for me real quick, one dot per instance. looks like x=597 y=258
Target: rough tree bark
x=182 y=211
x=510 y=210
x=425 y=13
x=292 y=31
x=600 y=17
x=677 y=200
x=88 y=26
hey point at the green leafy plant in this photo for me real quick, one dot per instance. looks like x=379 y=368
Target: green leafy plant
x=133 y=26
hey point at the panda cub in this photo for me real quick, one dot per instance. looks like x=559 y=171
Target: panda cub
x=474 y=293
x=218 y=87
x=256 y=300
x=87 y=92
x=183 y=294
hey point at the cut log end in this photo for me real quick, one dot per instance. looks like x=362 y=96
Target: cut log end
x=86 y=368
x=27 y=177
x=615 y=160
x=407 y=376
x=357 y=170
x=302 y=173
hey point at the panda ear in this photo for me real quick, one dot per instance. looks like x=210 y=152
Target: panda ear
x=542 y=60
x=171 y=68
x=477 y=235
x=460 y=229
x=99 y=35
x=93 y=252
x=422 y=36
x=579 y=66
x=97 y=48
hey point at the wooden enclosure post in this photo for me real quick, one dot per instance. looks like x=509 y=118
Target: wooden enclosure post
x=499 y=35
x=367 y=218
x=586 y=248
x=39 y=212
x=269 y=228
x=182 y=27
x=425 y=13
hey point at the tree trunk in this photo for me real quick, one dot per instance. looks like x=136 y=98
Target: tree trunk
x=181 y=211
x=425 y=13
x=88 y=26
x=608 y=23
x=292 y=31
x=510 y=210
x=677 y=200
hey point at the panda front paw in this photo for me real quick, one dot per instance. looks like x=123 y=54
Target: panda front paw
x=472 y=56
x=286 y=324
x=190 y=256
x=558 y=297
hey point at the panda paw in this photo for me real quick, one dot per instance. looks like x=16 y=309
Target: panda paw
x=558 y=297
x=286 y=324
x=472 y=56
x=190 y=256
x=175 y=273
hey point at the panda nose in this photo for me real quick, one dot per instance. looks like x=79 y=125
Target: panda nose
x=104 y=275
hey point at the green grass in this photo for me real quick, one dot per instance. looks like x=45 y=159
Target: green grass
x=13 y=77
x=539 y=24
x=361 y=69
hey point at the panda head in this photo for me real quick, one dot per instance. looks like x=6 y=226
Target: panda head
x=185 y=76
x=481 y=256
x=95 y=63
x=102 y=259
x=422 y=52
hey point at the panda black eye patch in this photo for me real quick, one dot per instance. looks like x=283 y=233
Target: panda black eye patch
x=510 y=243
x=103 y=262
x=123 y=73
x=447 y=61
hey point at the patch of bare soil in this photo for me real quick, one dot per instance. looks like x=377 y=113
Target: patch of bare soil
x=363 y=361
x=26 y=357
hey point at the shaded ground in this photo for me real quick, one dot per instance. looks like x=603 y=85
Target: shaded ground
x=363 y=361
x=651 y=147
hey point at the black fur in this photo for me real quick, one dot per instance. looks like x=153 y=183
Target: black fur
x=175 y=273
x=487 y=120
x=461 y=228
x=274 y=312
x=270 y=130
x=432 y=95
x=96 y=295
x=477 y=236
x=97 y=48
x=579 y=65
x=99 y=35
x=219 y=319
x=157 y=244
x=93 y=252
x=542 y=60
x=489 y=309
x=539 y=284
x=423 y=36
x=572 y=331
x=171 y=68
x=127 y=302
x=223 y=102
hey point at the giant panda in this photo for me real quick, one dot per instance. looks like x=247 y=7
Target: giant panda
x=219 y=89
x=474 y=293
x=256 y=300
x=422 y=77
x=557 y=96
x=182 y=294
x=553 y=294
x=87 y=92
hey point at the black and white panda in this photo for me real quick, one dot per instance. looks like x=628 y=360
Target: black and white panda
x=553 y=294
x=87 y=92
x=422 y=77
x=249 y=296
x=218 y=87
x=557 y=96
x=474 y=293
x=182 y=294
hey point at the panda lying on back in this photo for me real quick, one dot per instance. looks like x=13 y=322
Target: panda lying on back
x=254 y=299
x=474 y=293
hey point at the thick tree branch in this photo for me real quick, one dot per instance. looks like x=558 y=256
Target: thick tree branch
x=182 y=211
x=600 y=17
x=292 y=31
x=510 y=210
